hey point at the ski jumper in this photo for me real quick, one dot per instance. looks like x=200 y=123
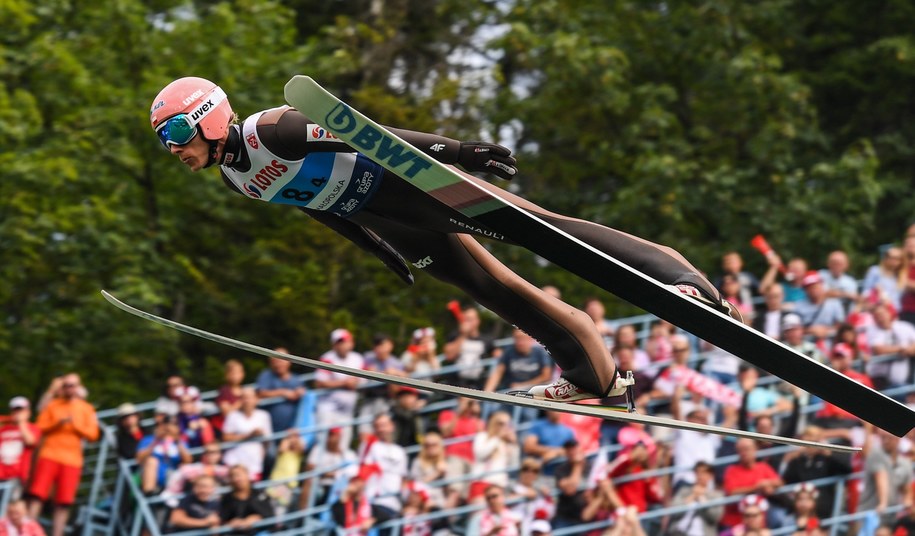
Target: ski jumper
x=281 y=156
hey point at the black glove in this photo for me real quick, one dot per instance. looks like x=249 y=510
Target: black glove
x=487 y=157
x=392 y=260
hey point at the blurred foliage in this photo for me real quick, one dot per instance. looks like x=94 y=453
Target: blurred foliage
x=696 y=124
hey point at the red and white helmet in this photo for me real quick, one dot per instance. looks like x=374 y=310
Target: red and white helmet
x=205 y=102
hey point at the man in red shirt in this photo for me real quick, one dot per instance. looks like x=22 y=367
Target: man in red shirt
x=747 y=476
x=832 y=416
x=639 y=492
x=18 y=438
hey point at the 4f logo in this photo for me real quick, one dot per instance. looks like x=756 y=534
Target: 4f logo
x=437 y=147
x=422 y=263
x=252 y=140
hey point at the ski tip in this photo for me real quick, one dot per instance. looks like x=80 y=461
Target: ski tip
x=296 y=80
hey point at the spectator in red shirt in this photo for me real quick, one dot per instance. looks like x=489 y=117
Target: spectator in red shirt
x=831 y=416
x=17 y=524
x=18 y=438
x=465 y=422
x=639 y=492
x=747 y=476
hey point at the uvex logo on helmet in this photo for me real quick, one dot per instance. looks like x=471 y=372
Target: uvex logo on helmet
x=206 y=106
x=192 y=97
x=204 y=102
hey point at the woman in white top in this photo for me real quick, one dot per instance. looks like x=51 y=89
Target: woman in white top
x=495 y=450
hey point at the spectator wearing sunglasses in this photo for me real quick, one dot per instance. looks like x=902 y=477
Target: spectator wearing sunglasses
x=66 y=422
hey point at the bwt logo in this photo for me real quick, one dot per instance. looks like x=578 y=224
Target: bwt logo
x=377 y=145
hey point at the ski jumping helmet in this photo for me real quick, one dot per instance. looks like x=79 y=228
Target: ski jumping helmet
x=200 y=104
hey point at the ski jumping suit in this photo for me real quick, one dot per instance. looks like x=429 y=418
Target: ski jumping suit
x=280 y=156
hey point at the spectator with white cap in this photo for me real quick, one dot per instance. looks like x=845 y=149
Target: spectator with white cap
x=541 y=527
x=128 y=433
x=337 y=404
x=753 y=509
x=793 y=336
x=18 y=438
x=277 y=381
x=196 y=431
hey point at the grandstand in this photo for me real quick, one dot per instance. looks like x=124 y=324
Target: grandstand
x=111 y=501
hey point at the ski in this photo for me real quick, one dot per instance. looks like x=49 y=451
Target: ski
x=582 y=259
x=426 y=385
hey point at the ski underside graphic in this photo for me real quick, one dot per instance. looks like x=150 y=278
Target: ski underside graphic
x=425 y=385
x=582 y=259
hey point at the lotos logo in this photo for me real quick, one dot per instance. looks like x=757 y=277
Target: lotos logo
x=268 y=175
x=193 y=96
x=318 y=133
x=251 y=191
x=252 y=140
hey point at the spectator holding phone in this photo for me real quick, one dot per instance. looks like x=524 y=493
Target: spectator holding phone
x=65 y=423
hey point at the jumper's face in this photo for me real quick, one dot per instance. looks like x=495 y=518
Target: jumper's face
x=195 y=154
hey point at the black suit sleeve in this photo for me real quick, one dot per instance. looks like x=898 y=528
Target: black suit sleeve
x=366 y=240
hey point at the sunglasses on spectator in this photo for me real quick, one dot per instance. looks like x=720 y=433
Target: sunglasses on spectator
x=493 y=496
x=530 y=469
x=752 y=514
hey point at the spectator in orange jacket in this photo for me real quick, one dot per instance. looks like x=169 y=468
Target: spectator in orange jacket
x=65 y=423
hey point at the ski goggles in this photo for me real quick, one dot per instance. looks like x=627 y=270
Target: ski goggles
x=178 y=130
x=181 y=129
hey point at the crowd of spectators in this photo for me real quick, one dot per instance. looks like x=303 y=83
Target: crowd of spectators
x=383 y=456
